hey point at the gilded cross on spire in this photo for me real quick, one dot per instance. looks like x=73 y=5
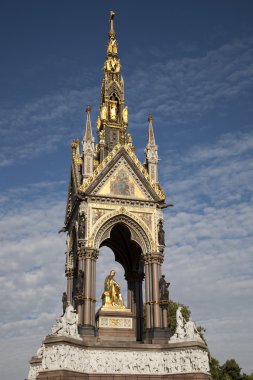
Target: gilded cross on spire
x=112 y=47
x=112 y=32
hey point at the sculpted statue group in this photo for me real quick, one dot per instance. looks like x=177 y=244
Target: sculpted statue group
x=66 y=325
x=185 y=330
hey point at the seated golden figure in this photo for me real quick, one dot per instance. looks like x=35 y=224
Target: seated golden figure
x=112 y=296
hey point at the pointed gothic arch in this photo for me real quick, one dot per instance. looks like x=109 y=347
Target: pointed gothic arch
x=130 y=245
x=136 y=229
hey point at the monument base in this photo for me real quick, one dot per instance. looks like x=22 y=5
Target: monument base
x=65 y=358
x=113 y=324
x=70 y=375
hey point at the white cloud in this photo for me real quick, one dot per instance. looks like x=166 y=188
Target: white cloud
x=209 y=258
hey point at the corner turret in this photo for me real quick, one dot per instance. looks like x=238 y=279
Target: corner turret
x=151 y=152
x=88 y=147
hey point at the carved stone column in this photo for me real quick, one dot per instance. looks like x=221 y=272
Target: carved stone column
x=155 y=264
x=81 y=267
x=89 y=291
x=139 y=307
x=131 y=299
x=135 y=300
x=69 y=273
x=164 y=317
x=147 y=291
x=94 y=256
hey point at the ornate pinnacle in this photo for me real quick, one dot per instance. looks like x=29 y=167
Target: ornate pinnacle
x=88 y=131
x=151 y=137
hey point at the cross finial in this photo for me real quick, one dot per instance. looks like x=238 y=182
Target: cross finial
x=112 y=33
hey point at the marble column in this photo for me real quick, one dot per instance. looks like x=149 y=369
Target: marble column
x=69 y=275
x=164 y=317
x=81 y=266
x=87 y=289
x=94 y=257
x=147 y=293
x=90 y=286
x=155 y=264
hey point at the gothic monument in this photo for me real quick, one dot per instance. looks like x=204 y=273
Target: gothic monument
x=115 y=201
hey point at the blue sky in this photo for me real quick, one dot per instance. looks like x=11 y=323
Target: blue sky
x=190 y=63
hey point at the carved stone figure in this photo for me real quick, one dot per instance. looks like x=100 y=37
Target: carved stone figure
x=67 y=324
x=112 y=295
x=180 y=332
x=161 y=239
x=163 y=287
x=79 y=285
x=64 y=302
x=191 y=331
x=81 y=227
x=185 y=330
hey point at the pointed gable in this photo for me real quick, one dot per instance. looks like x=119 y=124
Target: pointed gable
x=122 y=175
x=122 y=182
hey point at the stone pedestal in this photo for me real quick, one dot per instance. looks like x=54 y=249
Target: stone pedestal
x=64 y=358
x=156 y=335
x=113 y=324
x=69 y=375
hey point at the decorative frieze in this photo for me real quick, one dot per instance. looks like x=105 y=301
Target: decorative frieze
x=113 y=361
x=115 y=322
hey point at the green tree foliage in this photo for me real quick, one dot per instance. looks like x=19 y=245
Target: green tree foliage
x=215 y=368
x=231 y=368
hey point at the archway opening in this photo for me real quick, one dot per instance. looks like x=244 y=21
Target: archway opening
x=128 y=254
x=105 y=263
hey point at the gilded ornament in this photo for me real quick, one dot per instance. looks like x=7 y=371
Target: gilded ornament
x=125 y=117
x=103 y=112
x=98 y=122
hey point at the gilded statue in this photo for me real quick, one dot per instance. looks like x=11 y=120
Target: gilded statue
x=103 y=112
x=125 y=115
x=113 y=111
x=112 y=46
x=129 y=138
x=112 y=64
x=112 y=296
x=98 y=122
x=102 y=135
